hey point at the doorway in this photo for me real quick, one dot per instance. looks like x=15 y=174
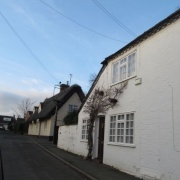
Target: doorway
x=101 y=138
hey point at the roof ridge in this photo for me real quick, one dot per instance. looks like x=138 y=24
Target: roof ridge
x=151 y=31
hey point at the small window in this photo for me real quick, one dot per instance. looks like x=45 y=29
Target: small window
x=84 y=134
x=112 y=134
x=72 y=108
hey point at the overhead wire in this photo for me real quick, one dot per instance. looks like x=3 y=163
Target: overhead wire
x=79 y=24
x=113 y=18
x=28 y=48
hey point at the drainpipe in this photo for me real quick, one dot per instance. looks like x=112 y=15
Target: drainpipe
x=39 y=128
x=55 y=123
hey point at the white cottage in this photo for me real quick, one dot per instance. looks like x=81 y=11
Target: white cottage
x=140 y=135
x=47 y=118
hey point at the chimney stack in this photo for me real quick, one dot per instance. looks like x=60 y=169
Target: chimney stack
x=63 y=87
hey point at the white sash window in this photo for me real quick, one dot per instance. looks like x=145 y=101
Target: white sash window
x=124 y=68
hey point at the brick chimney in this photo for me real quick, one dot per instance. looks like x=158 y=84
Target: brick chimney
x=63 y=87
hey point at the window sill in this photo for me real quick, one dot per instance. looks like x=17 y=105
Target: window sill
x=85 y=141
x=122 y=144
x=123 y=80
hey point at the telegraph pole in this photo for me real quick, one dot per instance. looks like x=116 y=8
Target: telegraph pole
x=55 y=133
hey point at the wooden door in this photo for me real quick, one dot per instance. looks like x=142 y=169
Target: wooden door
x=101 y=139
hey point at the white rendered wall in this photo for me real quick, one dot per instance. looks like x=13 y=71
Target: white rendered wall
x=67 y=138
x=46 y=131
x=38 y=128
x=62 y=112
x=32 y=129
x=155 y=103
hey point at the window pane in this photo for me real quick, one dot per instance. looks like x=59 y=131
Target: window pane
x=110 y=138
x=122 y=132
x=131 y=65
x=113 y=131
x=131 y=131
x=127 y=132
x=120 y=117
x=110 y=125
x=113 y=138
x=131 y=124
x=114 y=118
x=131 y=116
x=120 y=139
x=127 y=124
x=127 y=139
x=123 y=61
x=123 y=72
x=115 y=72
x=122 y=125
x=114 y=125
x=131 y=139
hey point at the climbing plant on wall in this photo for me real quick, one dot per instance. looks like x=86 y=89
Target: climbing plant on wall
x=99 y=102
x=71 y=118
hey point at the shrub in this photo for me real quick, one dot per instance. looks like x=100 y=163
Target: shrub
x=71 y=118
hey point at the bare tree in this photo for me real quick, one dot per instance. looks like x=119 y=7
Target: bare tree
x=99 y=102
x=23 y=107
x=92 y=78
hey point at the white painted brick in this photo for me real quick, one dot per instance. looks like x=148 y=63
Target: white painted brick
x=157 y=124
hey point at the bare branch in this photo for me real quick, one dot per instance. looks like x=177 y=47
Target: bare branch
x=23 y=107
x=99 y=102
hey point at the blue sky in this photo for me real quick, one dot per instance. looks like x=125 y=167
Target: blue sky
x=61 y=46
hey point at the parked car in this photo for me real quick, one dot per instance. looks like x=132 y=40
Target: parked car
x=2 y=128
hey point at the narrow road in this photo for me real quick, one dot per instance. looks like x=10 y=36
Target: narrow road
x=24 y=160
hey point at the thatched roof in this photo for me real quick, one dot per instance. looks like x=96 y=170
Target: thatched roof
x=48 y=107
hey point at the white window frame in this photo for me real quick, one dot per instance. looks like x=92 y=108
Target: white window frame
x=121 y=129
x=72 y=107
x=84 y=131
x=121 y=68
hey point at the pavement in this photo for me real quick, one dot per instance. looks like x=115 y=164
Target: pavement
x=89 y=168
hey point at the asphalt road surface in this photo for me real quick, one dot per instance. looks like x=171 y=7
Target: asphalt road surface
x=24 y=160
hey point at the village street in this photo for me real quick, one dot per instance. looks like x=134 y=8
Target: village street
x=22 y=159
x=32 y=158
